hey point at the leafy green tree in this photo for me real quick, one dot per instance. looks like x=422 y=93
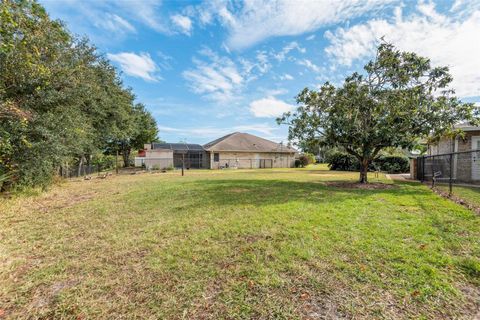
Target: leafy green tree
x=60 y=102
x=143 y=129
x=399 y=99
x=31 y=51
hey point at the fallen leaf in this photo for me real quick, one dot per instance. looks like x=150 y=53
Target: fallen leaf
x=304 y=296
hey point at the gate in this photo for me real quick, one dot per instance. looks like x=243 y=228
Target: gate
x=266 y=163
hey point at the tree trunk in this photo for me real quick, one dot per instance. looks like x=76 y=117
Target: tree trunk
x=126 y=157
x=364 y=171
x=80 y=165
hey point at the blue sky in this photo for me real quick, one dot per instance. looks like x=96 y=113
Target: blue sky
x=205 y=69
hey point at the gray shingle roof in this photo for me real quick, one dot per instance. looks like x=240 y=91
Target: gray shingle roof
x=239 y=141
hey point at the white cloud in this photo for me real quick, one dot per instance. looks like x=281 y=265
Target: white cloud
x=256 y=21
x=165 y=60
x=117 y=17
x=146 y=12
x=219 y=79
x=289 y=47
x=462 y=6
x=286 y=76
x=263 y=63
x=448 y=40
x=269 y=107
x=114 y=23
x=311 y=37
x=183 y=23
x=309 y=64
x=136 y=65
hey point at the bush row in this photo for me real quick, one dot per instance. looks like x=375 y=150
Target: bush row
x=346 y=162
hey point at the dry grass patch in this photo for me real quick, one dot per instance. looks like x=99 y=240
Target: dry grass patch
x=361 y=186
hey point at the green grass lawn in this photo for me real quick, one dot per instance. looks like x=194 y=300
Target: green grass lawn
x=237 y=244
x=469 y=194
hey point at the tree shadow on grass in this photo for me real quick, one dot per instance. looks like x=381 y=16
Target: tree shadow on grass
x=270 y=192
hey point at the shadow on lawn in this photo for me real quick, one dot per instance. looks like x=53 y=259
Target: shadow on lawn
x=267 y=192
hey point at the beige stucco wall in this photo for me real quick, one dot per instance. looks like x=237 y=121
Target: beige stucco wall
x=252 y=160
x=158 y=159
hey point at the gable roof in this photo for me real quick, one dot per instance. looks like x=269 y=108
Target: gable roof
x=244 y=142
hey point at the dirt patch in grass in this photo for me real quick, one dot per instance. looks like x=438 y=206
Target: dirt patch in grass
x=45 y=296
x=361 y=186
x=56 y=201
x=238 y=190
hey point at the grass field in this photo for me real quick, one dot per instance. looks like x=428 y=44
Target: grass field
x=469 y=194
x=261 y=244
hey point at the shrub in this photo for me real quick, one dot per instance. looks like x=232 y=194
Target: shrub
x=310 y=157
x=4 y=177
x=303 y=161
x=346 y=162
x=343 y=162
x=105 y=162
x=392 y=164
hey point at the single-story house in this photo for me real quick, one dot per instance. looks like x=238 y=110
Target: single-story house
x=235 y=150
x=244 y=150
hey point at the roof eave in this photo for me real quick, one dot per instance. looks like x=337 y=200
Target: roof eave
x=257 y=151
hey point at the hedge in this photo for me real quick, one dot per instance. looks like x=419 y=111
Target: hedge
x=346 y=162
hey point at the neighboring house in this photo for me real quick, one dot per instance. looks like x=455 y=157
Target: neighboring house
x=236 y=150
x=466 y=163
x=243 y=150
x=166 y=155
x=471 y=141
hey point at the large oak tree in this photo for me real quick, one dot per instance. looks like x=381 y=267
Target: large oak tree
x=399 y=99
x=61 y=103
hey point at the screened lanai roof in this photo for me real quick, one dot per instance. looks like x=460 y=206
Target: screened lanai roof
x=178 y=146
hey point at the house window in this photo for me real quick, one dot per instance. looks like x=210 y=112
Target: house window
x=216 y=157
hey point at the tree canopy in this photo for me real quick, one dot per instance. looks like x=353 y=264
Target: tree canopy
x=399 y=99
x=60 y=101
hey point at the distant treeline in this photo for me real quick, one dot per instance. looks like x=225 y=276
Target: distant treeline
x=61 y=103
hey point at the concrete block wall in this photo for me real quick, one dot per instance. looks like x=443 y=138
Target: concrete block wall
x=252 y=160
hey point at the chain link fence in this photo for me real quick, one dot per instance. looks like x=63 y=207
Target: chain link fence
x=83 y=170
x=458 y=168
x=203 y=163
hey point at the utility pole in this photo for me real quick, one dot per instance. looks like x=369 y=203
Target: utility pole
x=183 y=163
